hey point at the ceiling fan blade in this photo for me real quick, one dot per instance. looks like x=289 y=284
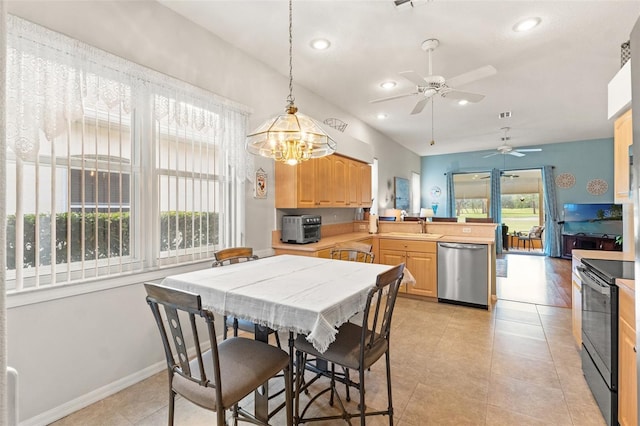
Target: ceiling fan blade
x=457 y=94
x=491 y=155
x=529 y=150
x=419 y=106
x=516 y=154
x=413 y=77
x=405 y=95
x=468 y=77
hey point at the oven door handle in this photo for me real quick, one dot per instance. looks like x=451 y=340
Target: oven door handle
x=588 y=281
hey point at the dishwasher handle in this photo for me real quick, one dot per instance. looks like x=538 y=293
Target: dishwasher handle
x=461 y=246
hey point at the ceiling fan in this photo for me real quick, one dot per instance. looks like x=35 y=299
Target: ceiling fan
x=428 y=86
x=504 y=175
x=505 y=148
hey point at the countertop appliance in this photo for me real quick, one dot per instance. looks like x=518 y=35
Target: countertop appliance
x=301 y=229
x=463 y=274
x=600 y=330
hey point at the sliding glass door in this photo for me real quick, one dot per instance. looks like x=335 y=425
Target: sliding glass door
x=522 y=198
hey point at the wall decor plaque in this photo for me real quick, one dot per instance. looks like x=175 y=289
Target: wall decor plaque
x=260 y=190
x=597 y=186
x=565 y=180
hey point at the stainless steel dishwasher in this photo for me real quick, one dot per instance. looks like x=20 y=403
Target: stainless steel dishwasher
x=463 y=273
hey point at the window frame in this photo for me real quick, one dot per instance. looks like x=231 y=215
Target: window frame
x=144 y=260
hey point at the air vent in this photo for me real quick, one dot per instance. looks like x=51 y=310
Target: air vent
x=506 y=114
x=408 y=4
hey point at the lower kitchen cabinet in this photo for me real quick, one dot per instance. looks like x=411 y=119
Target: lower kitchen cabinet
x=576 y=310
x=576 y=302
x=627 y=369
x=420 y=258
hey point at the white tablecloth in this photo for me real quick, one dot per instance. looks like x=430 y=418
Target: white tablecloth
x=308 y=295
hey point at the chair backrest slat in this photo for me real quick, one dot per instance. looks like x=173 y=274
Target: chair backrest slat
x=352 y=255
x=232 y=255
x=384 y=293
x=177 y=349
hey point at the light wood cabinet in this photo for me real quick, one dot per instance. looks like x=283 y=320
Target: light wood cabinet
x=420 y=258
x=576 y=302
x=576 y=310
x=365 y=185
x=627 y=369
x=332 y=181
x=359 y=184
x=340 y=177
x=353 y=184
x=623 y=138
x=392 y=257
x=324 y=191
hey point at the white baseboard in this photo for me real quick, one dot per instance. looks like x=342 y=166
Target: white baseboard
x=84 y=401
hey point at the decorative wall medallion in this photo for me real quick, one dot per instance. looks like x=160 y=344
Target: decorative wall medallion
x=565 y=180
x=597 y=186
x=261 y=184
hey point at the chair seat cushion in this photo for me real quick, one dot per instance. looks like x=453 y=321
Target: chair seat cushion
x=245 y=364
x=345 y=350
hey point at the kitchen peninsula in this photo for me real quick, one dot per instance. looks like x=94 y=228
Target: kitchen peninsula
x=408 y=242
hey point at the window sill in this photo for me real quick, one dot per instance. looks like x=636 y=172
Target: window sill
x=46 y=294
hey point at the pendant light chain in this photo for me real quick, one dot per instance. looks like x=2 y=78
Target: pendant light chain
x=290 y=137
x=290 y=98
x=433 y=142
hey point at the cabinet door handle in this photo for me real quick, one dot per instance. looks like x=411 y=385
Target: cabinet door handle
x=634 y=349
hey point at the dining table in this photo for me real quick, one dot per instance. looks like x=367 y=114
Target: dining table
x=303 y=295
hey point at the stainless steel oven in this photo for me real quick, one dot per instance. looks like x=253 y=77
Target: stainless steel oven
x=600 y=330
x=301 y=229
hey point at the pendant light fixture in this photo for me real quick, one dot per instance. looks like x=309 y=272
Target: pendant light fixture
x=290 y=137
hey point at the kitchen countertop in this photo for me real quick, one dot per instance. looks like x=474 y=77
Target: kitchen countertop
x=601 y=254
x=328 y=242
x=324 y=243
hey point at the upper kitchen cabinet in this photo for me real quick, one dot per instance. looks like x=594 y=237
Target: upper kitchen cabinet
x=332 y=181
x=359 y=184
x=623 y=132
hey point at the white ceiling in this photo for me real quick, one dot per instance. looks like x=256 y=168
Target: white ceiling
x=553 y=79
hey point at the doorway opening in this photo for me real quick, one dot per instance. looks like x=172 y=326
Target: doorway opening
x=522 y=210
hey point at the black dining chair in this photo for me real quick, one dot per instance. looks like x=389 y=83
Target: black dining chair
x=221 y=376
x=230 y=256
x=357 y=347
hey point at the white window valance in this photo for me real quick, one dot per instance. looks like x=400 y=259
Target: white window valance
x=57 y=79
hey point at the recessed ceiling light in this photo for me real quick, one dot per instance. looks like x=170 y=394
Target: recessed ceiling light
x=463 y=102
x=320 y=44
x=526 y=24
x=388 y=84
x=381 y=116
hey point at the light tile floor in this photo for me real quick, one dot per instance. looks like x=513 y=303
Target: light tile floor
x=515 y=365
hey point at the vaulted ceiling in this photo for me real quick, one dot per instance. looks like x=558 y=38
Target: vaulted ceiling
x=553 y=79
